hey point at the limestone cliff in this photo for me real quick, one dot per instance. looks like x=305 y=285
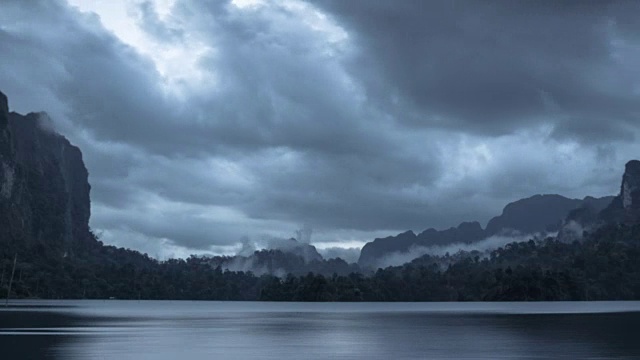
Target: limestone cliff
x=44 y=189
x=625 y=208
x=7 y=170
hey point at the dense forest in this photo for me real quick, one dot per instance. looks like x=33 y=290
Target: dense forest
x=603 y=266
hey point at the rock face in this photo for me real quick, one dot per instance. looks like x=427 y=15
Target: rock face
x=587 y=214
x=7 y=166
x=539 y=213
x=535 y=214
x=9 y=212
x=44 y=188
x=375 y=250
x=625 y=208
x=630 y=189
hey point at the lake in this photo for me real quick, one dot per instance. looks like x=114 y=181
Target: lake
x=256 y=330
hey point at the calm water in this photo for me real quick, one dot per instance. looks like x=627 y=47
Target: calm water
x=254 y=330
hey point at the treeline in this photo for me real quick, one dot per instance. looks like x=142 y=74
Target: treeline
x=109 y=272
x=605 y=266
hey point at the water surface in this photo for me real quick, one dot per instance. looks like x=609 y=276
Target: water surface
x=256 y=330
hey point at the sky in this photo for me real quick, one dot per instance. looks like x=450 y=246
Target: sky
x=208 y=124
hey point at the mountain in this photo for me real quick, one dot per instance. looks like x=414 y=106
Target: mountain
x=536 y=214
x=539 y=213
x=7 y=160
x=625 y=207
x=44 y=192
x=292 y=246
x=283 y=257
x=604 y=265
x=379 y=248
x=281 y=263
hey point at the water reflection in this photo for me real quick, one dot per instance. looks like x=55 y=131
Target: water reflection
x=204 y=330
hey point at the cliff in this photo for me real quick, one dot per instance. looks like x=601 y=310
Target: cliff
x=44 y=193
x=539 y=213
x=536 y=214
x=7 y=166
x=625 y=208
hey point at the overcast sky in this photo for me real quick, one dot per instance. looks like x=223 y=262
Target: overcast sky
x=203 y=122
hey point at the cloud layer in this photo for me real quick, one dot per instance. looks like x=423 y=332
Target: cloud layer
x=203 y=122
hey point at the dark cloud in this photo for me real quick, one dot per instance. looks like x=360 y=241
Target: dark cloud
x=360 y=119
x=493 y=67
x=593 y=130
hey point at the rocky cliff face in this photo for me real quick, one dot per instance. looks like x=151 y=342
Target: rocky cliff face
x=625 y=208
x=630 y=188
x=44 y=189
x=8 y=208
x=7 y=171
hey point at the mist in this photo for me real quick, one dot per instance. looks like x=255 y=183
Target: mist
x=280 y=256
x=300 y=245
x=483 y=246
x=349 y=255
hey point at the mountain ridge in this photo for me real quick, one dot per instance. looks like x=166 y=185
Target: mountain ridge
x=536 y=214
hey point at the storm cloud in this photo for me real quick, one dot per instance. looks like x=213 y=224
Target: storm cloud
x=205 y=122
x=495 y=67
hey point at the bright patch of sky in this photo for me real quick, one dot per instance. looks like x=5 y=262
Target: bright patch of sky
x=176 y=62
